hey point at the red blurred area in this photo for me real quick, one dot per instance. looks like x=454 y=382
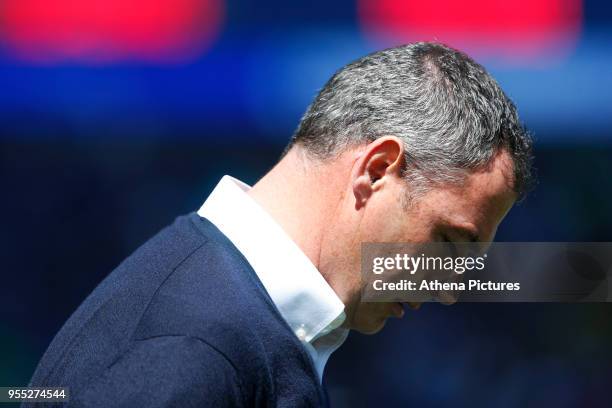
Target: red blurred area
x=514 y=29
x=108 y=30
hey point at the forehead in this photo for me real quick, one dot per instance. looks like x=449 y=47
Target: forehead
x=482 y=201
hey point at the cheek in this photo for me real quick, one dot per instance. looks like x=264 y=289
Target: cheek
x=387 y=220
x=384 y=227
x=405 y=226
x=420 y=230
x=385 y=223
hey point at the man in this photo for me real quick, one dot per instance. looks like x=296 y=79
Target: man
x=242 y=303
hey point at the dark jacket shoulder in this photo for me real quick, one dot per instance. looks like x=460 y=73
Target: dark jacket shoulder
x=186 y=292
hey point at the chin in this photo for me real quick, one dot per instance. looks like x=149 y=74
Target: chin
x=370 y=326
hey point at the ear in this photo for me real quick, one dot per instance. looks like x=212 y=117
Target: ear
x=382 y=159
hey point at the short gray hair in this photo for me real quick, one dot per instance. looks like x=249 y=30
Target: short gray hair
x=451 y=114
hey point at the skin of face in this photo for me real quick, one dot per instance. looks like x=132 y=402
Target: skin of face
x=371 y=209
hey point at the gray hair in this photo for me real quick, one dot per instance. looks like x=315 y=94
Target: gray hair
x=451 y=114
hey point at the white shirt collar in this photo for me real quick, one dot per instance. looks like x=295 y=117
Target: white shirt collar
x=305 y=300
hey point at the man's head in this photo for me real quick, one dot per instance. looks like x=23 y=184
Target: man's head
x=411 y=144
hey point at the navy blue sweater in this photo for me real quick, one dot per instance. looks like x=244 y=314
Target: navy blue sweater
x=184 y=321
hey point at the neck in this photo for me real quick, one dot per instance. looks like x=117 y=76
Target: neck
x=305 y=198
x=292 y=193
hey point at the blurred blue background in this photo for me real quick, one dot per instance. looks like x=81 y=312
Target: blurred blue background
x=117 y=116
